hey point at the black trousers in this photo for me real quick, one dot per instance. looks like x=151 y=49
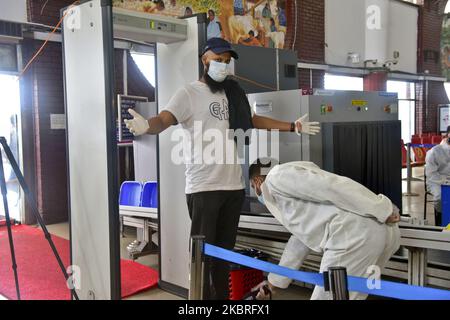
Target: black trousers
x=215 y=215
x=438 y=213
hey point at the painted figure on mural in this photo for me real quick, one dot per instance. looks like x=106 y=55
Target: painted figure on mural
x=214 y=29
x=228 y=19
x=273 y=28
x=239 y=7
x=250 y=40
x=282 y=20
x=445 y=47
x=188 y=12
x=266 y=12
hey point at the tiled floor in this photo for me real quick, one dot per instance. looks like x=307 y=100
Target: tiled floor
x=414 y=205
x=411 y=205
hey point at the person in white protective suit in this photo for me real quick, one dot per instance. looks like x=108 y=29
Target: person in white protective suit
x=350 y=225
x=437 y=171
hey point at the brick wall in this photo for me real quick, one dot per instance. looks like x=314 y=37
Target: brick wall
x=304 y=78
x=429 y=36
x=44 y=87
x=375 y=81
x=420 y=125
x=46 y=12
x=428 y=58
x=437 y=96
x=44 y=150
x=309 y=40
x=426 y=118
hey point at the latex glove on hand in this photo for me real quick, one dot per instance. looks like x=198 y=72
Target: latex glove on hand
x=138 y=126
x=395 y=216
x=264 y=290
x=303 y=126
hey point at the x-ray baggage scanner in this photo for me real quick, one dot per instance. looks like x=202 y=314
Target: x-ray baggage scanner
x=88 y=31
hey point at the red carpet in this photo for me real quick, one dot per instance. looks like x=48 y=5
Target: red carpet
x=3 y=221
x=39 y=275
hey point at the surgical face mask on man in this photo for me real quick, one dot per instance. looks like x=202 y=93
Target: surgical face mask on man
x=218 y=71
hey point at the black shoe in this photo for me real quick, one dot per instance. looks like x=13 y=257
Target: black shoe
x=438 y=218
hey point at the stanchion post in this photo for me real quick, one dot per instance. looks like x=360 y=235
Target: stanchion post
x=338 y=285
x=408 y=169
x=197 y=269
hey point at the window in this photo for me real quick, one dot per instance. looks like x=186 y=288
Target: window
x=406 y=106
x=8 y=58
x=146 y=63
x=447 y=89
x=335 y=82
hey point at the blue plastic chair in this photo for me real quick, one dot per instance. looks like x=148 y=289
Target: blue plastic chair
x=130 y=194
x=150 y=195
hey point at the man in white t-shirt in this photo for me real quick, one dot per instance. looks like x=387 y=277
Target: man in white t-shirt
x=214 y=190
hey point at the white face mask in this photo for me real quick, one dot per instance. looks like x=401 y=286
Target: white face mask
x=218 y=71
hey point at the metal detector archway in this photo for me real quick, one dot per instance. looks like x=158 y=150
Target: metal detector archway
x=88 y=43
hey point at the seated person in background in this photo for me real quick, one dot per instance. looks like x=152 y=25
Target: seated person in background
x=334 y=215
x=438 y=173
x=188 y=12
x=250 y=40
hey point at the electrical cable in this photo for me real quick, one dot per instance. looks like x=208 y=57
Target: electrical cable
x=47 y=40
x=254 y=83
x=296 y=25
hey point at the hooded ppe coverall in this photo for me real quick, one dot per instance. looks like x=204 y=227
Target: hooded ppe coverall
x=332 y=215
x=438 y=171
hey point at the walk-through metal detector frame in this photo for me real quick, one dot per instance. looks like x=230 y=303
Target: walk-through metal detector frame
x=88 y=57
x=91 y=149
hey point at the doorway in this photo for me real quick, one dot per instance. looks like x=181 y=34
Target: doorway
x=10 y=129
x=406 y=106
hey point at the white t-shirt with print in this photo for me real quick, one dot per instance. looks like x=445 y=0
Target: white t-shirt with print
x=204 y=116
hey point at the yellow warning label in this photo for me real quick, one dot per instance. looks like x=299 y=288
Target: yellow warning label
x=359 y=103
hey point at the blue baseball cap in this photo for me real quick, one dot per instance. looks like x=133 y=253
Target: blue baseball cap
x=218 y=46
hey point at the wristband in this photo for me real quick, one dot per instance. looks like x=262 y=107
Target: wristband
x=293 y=126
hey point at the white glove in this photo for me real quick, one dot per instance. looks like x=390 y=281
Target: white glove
x=264 y=291
x=138 y=125
x=395 y=216
x=311 y=128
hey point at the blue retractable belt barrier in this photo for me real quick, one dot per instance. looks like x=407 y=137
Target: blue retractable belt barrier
x=230 y=256
x=387 y=288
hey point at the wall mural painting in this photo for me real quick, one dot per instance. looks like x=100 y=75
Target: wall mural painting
x=445 y=47
x=248 y=22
